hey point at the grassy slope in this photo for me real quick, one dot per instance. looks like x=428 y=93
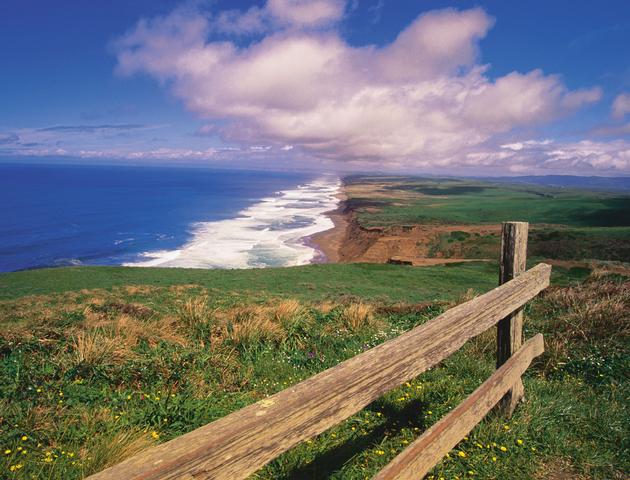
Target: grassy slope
x=136 y=356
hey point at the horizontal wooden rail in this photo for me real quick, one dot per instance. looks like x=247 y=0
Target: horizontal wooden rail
x=423 y=454
x=237 y=445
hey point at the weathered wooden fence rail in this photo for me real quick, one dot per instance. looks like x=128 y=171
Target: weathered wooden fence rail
x=237 y=445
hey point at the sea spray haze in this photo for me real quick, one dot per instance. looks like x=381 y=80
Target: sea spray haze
x=97 y=215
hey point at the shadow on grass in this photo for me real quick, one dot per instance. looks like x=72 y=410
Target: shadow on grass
x=328 y=462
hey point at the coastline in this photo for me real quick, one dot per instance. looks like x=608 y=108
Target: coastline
x=348 y=242
x=270 y=232
x=329 y=243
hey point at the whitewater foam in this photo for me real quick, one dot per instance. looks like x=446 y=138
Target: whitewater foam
x=269 y=233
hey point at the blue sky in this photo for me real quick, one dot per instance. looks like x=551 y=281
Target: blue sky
x=85 y=81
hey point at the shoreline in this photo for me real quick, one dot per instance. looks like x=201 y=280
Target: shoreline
x=270 y=232
x=328 y=243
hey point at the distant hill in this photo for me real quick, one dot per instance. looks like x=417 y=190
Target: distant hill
x=570 y=181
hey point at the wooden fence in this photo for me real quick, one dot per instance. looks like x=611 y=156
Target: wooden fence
x=239 y=444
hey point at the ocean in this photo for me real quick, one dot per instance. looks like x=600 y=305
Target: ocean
x=60 y=215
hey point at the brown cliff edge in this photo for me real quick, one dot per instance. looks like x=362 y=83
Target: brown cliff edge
x=348 y=242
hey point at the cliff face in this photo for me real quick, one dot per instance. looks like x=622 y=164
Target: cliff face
x=419 y=244
x=357 y=241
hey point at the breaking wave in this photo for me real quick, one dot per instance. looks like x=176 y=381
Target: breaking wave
x=269 y=233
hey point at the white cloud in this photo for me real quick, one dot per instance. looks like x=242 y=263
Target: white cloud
x=581 y=157
x=297 y=90
x=277 y=14
x=421 y=100
x=306 y=13
x=621 y=106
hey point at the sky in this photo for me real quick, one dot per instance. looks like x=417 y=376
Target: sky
x=471 y=88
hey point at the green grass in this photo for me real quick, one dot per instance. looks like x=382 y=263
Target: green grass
x=103 y=362
x=451 y=201
x=612 y=243
x=311 y=282
x=567 y=224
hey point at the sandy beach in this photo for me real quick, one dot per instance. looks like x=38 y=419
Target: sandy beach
x=330 y=242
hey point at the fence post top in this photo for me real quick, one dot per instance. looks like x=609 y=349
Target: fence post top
x=515 y=223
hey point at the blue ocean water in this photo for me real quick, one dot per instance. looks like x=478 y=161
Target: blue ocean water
x=54 y=215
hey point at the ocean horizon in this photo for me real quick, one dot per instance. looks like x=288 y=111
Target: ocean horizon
x=65 y=215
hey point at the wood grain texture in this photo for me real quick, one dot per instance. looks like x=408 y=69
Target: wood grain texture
x=237 y=445
x=422 y=455
x=510 y=329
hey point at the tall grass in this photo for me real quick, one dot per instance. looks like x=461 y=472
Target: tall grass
x=108 y=449
x=93 y=348
x=196 y=358
x=194 y=312
x=358 y=315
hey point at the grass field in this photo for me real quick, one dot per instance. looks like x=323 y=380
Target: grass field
x=566 y=224
x=408 y=200
x=99 y=363
x=311 y=282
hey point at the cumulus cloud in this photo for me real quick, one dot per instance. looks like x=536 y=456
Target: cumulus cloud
x=306 y=13
x=423 y=99
x=621 y=106
x=277 y=14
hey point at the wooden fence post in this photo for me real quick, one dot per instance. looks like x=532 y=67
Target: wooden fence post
x=510 y=329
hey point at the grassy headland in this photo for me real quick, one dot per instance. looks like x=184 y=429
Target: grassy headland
x=428 y=218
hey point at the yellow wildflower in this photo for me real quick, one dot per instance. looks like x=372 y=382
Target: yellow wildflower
x=519 y=441
x=502 y=448
x=24 y=438
x=462 y=454
x=7 y=451
x=155 y=435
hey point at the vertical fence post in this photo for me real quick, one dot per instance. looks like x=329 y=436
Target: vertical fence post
x=510 y=329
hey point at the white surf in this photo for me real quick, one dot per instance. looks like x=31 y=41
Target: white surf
x=269 y=233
